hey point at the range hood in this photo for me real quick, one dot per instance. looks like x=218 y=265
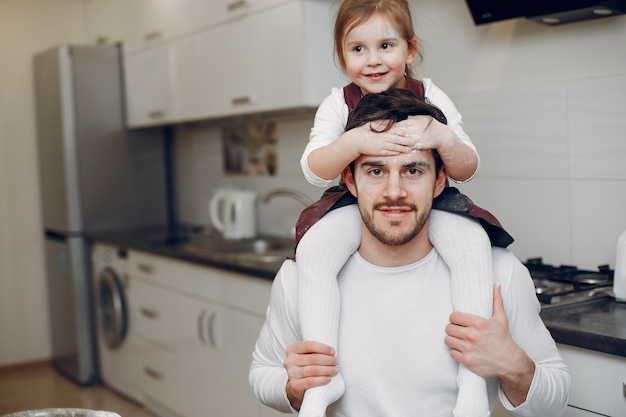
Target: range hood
x=548 y=12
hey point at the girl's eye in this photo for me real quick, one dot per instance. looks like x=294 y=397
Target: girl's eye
x=357 y=48
x=385 y=45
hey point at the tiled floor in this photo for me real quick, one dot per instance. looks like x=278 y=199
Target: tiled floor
x=38 y=386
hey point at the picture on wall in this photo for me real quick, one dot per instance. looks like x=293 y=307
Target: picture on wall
x=250 y=149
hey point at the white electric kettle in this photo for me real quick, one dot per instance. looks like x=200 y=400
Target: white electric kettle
x=234 y=213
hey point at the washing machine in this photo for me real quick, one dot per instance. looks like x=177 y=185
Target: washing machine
x=116 y=354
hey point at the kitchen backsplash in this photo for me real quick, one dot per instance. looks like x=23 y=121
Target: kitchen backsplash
x=552 y=167
x=200 y=169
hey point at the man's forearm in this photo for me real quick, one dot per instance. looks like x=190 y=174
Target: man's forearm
x=516 y=383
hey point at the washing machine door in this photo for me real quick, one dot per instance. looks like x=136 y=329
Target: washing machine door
x=112 y=310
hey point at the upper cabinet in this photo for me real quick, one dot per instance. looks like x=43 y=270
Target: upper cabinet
x=187 y=60
x=148 y=87
x=103 y=21
x=207 y=13
x=279 y=59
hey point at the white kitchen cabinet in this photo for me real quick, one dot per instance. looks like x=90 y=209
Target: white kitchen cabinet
x=197 y=327
x=207 y=13
x=148 y=87
x=161 y=84
x=145 y=23
x=266 y=59
x=103 y=21
x=598 y=382
x=279 y=59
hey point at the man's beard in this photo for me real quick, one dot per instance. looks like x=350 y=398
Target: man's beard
x=392 y=234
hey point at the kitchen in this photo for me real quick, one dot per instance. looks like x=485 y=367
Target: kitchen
x=567 y=79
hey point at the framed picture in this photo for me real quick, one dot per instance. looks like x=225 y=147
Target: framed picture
x=250 y=149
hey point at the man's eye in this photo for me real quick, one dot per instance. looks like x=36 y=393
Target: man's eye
x=375 y=172
x=413 y=172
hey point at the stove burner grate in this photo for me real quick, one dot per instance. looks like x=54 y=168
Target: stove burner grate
x=562 y=284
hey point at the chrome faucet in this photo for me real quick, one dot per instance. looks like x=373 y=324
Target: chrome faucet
x=288 y=192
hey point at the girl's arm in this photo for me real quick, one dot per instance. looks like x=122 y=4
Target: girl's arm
x=328 y=161
x=456 y=148
x=331 y=148
x=459 y=158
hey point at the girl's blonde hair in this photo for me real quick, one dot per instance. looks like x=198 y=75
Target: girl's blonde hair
x=354 y=12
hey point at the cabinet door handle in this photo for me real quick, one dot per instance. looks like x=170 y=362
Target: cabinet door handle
x=152 y=373
x=624 y=388
x=145 y=268
x=201 y=327
x=234 y=5
x=102 y=40
x=152 y=36
x=239 y=101
x=213 y=328
x=149 y=313
x=156 y=114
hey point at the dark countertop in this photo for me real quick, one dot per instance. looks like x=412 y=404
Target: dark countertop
x=598 y=324
x=161 y=241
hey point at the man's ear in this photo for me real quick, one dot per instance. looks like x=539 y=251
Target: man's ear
x=440 y=182
x=348 y=179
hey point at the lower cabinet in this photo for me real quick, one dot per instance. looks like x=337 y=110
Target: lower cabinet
x=196 y=329
x=598 y=382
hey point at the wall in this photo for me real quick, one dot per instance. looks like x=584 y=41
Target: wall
x=26 y=27
x=553 y=169
x=545 y=107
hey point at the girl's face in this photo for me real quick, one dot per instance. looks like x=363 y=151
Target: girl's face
x=376 y=55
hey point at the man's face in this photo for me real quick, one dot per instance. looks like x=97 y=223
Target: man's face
x=395 y=193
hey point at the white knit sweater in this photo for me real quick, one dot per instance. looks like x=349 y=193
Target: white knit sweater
x=391 y=351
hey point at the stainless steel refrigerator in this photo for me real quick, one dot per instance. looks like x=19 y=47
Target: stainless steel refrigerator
x=95 y=176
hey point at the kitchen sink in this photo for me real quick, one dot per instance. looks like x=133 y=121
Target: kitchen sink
x=257 y=250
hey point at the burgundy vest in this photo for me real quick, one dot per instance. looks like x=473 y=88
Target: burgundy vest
x=352 y=92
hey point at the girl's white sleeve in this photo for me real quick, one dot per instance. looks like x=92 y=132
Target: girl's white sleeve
x=330 y=123
x=268 y=377
x=440 y=99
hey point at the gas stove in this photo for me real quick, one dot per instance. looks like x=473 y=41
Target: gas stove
x=565 y=284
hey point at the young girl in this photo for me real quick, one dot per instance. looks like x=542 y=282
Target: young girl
x=376 y=44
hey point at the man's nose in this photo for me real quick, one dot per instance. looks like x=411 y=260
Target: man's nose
x=393 y=188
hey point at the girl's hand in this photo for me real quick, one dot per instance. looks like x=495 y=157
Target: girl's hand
x=459 y=159
x=308 y=364
x=426 y=133
x=369 y=139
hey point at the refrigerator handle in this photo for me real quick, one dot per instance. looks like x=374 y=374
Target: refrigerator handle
x=55 y=236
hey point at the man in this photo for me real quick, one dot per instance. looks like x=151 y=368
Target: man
x=400 y=342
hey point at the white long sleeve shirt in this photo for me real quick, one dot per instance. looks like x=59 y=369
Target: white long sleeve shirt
x=332 y=116
x=391 y=352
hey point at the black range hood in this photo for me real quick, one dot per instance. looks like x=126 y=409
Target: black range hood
x=549 y=12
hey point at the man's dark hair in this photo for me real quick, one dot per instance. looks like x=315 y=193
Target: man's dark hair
x=393 y=105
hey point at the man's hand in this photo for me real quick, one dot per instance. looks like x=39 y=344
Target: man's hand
x=308 y=364
x=486 y=347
